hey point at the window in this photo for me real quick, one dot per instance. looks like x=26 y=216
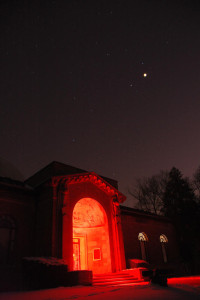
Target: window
x=164 y=241
x=97 y=254
x=7 y=236
x=142 y=237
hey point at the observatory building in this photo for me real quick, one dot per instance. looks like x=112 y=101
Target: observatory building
x=79 y=216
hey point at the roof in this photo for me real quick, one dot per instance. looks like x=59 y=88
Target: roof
x=11 y=185
x=59 y=169
x=137 y=212
x=8 y=170
x=53 y=169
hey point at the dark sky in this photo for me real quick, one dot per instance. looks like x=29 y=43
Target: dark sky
x=72 y=86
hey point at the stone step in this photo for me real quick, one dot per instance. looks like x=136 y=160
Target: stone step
x=119 y=278
x=112 y=275
x=125 y=272
x=115 y=278
x=117 y=282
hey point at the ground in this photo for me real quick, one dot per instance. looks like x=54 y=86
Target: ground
x=178 y=288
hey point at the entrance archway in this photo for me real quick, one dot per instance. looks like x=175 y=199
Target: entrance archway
x=91 y=246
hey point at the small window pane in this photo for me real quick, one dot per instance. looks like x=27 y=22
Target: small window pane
x=97 y=254
x=163 y=239
x=142 y=237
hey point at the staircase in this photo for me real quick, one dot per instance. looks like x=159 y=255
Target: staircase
x=119 y=278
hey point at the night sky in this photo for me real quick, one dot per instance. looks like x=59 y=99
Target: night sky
x=72 y=86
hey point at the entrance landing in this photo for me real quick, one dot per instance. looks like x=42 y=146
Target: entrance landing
x=119 y=278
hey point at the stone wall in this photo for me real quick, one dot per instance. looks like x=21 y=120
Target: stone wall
x=17 y=216
x=134 y=222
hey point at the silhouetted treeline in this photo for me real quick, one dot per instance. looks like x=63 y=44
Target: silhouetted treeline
x=178 y=198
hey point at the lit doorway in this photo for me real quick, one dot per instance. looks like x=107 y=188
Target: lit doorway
x=91 y=246
x=79 y=253
x=76 y=254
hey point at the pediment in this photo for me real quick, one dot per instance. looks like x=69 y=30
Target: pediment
x=94 y=179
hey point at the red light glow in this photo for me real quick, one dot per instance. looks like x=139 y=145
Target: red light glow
x=91 y=246
x=191 y=281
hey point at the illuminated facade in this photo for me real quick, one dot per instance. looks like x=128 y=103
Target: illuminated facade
x=69 y=213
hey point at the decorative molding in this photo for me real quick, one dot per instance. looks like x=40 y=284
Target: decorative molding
x=88 y=177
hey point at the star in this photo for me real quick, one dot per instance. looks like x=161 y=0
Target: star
x=145 y=75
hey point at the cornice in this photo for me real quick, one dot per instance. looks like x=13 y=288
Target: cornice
x=92 y=177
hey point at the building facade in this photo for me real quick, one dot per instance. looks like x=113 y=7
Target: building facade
x=65 y=212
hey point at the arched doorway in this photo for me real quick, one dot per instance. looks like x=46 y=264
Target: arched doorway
x=91 y=246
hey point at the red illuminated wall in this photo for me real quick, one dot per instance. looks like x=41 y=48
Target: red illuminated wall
x=134 y=222
x=58 y=188
x=98 y=236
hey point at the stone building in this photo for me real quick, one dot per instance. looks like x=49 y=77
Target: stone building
x=69 y=213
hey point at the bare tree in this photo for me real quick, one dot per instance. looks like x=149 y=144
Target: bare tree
x=148 y=192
